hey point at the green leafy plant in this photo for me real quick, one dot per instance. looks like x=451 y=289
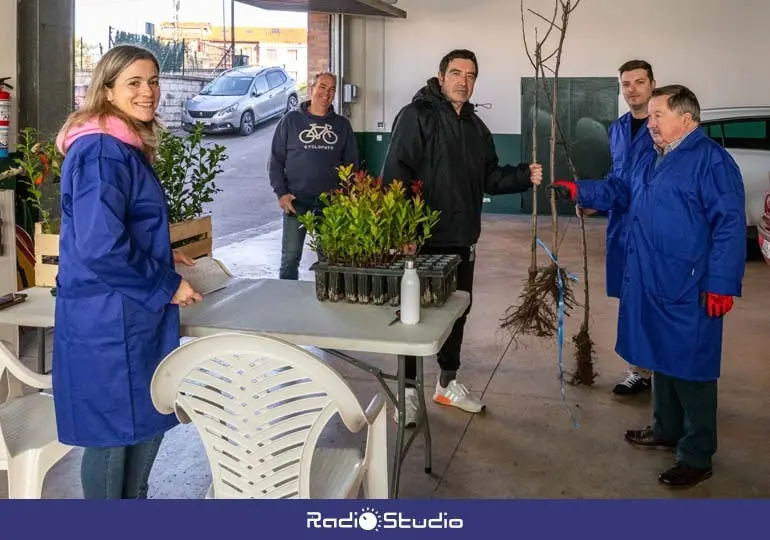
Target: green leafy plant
x=187 y=171
x=36 y=163
x=363 y=224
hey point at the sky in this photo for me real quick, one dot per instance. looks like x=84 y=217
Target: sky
x=94 y=17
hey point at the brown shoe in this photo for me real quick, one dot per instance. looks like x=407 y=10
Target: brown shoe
x=684 y=475
x=646 y=438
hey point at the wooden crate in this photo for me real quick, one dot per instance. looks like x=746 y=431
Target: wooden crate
x=46 y=257
x=195 y=235
x=193 y=238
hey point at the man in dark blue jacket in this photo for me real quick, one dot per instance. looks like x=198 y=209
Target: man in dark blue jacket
x=628 y=137
x=308 y=145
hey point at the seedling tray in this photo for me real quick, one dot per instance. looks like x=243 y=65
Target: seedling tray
x=381 y=285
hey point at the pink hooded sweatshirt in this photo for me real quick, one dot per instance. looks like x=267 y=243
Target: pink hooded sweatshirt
x=112 y=126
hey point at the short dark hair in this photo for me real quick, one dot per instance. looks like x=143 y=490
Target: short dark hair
x=317 y=77
x=637 y=64
x=462 y=54
x=680 y=99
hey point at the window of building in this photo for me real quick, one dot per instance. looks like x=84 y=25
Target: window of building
x=292 y=55
x=271 y=56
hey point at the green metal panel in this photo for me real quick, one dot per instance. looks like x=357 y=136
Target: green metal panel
x=586 y=106
x=373 y=146
x=508 y=148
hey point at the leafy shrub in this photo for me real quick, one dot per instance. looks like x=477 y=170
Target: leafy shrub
x=363 y=224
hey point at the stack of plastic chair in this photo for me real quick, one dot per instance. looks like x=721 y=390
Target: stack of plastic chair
x=29 y=445
x=259 y=405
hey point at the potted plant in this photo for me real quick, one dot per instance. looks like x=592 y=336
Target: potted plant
x=187 y=171
x=37 y=163
x=361 y=234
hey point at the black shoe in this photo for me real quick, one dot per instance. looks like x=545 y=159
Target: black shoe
x=633 y=384
x=646 y=438
x=684 y=475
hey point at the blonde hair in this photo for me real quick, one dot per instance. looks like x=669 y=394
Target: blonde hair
x=96 y=105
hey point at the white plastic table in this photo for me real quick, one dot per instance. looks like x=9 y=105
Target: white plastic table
x=36 y=312
x=289 y=310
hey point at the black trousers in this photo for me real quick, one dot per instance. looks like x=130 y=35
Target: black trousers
x=686 y=414
x=449 y=356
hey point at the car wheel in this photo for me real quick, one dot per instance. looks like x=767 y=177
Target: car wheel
x=291 y=104
x=247 y=123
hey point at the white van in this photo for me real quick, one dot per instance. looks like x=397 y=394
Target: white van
x=745 y=133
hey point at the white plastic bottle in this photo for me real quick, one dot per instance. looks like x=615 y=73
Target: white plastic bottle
x=410 y=294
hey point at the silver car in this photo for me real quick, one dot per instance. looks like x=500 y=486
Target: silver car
x=240 y=98
x=745 y=133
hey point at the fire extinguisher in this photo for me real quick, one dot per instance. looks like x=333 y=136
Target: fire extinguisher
x=5 y=115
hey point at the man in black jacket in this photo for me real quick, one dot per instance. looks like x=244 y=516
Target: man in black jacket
x=439 y=140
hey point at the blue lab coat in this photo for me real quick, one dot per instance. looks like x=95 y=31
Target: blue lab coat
x=686 y=236
x=623 y=149
x=114 y=323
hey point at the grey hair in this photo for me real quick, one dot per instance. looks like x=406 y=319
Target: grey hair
x=317 y=77
x=681 y=100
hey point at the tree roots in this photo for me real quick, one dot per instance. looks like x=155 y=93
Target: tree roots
x=584 y=358
x=536 y=315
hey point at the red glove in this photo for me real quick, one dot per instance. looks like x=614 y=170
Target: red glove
x=718 y=305
x=564 y=189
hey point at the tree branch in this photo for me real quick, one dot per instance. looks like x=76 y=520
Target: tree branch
x=544 y=67
x=551 y=22
x=566 y=6
x=524 y=38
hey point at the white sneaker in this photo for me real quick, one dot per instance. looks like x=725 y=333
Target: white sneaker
x=412 y=408
x=457 y=395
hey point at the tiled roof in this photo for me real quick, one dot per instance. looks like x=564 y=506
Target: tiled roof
x=246 y=34
x=186 y=25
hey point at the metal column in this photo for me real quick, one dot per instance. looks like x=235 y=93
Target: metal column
x=46 y=45
x=336 y=56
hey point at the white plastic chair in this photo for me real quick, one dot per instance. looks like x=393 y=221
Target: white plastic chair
x=260 y=405
x=29 y=445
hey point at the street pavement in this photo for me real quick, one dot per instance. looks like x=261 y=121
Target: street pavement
x=245 y=214
x=246 y=206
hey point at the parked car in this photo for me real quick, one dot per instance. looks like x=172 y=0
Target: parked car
x=745 y=133
x=763 y=229
x=240 y=98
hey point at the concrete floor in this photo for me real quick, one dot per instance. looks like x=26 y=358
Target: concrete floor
x=526 y=445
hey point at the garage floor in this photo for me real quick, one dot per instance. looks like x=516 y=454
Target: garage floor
x=526 y=444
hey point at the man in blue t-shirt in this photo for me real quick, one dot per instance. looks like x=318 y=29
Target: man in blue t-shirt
x=308 y=145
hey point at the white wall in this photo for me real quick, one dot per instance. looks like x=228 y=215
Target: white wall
x=8 y=60
x=716 y=47
x=174 y=91
x=296 y=66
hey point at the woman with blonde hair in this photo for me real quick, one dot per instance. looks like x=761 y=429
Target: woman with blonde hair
x=118 y=294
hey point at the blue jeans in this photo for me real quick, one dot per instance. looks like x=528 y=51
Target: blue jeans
x=118 y=472
x=291 y=247
x=293 y=239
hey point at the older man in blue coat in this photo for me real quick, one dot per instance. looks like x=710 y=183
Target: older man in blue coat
x=685 y=260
